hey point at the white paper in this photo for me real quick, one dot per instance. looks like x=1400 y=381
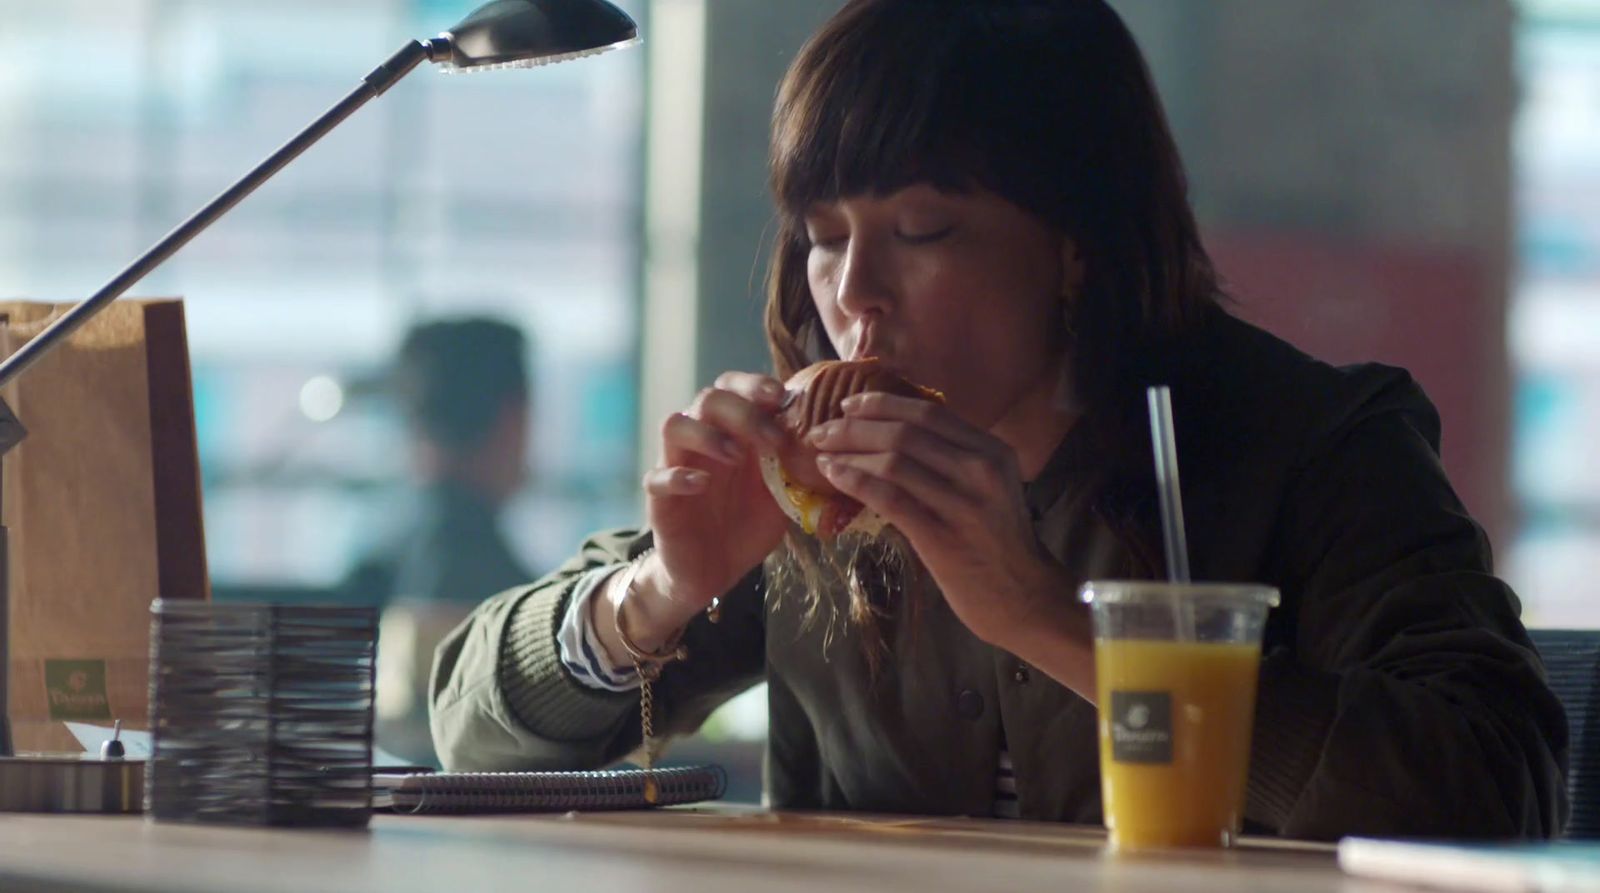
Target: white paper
x=135 y=744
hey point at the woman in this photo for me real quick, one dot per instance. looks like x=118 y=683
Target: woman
x=985 y=195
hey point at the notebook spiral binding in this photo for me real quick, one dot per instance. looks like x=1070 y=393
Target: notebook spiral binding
x=261 y=714
x=557 y=791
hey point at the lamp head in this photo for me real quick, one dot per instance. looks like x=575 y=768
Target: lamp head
x=527 y=33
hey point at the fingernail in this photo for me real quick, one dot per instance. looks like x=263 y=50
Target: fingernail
x=819 y=434
x=825 y=462
x=851 y=402
x=695 y=477
x=731 y=450
x=771 y=390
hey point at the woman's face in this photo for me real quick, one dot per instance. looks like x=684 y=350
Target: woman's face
x=962 y=292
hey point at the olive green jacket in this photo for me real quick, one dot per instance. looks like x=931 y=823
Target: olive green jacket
x=1399 y=693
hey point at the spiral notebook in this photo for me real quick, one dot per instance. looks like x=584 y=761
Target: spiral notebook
x=545 y=791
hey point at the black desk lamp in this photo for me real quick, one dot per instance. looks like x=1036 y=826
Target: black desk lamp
x=500 y=34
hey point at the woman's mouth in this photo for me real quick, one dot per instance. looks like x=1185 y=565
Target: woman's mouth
x=867 y=344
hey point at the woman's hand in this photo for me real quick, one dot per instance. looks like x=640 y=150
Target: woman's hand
x=712 y=516
x=955 y=492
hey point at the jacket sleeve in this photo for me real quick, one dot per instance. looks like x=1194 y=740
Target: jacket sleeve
x=500 y=698
x=1412 y=701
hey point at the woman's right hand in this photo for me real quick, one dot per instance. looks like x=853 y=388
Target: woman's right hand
x=711 y=513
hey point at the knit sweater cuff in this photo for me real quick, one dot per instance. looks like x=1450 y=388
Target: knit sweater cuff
x=1294 y=711
x=541 y=693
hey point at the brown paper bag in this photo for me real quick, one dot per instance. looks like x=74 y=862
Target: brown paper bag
x=102 y=501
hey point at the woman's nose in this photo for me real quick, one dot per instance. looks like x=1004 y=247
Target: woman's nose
x=865 y=284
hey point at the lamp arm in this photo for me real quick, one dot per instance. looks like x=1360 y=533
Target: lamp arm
x=373 y=85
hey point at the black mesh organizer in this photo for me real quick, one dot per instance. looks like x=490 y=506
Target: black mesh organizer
x=261 y=714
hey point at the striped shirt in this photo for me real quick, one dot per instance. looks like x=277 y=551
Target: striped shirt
x=581 y=652
x=1005 y=788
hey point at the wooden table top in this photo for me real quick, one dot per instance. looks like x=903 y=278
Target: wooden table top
x=707 y=850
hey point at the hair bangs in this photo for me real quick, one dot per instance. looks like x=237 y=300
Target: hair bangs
x=863 y=115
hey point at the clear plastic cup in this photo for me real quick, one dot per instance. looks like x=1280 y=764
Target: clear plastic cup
x=1176 y=667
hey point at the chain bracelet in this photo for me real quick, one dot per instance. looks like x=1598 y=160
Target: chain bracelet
x=647 y=729
x=648 y=665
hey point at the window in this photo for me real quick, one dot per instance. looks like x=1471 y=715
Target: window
x=513 y=193
x=1555 y=315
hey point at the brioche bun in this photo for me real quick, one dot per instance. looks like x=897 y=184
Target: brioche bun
x=798 y=486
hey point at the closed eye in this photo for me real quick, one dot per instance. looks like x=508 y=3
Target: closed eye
x=826 y=241
x=926 y=238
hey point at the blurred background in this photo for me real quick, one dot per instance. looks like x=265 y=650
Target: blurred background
x=1412 y=181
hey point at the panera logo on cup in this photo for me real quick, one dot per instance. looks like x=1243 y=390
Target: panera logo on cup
x=1141 y=727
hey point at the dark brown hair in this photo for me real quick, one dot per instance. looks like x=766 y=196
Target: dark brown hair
x=454 y=378
x=1046 y=103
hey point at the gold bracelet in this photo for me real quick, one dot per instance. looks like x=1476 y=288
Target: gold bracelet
x=648 y=665
x=669 y=651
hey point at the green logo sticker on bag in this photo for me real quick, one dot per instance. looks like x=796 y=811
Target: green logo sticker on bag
x=76 y=689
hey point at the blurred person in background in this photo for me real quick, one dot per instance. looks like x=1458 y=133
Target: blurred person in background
x=462 y=387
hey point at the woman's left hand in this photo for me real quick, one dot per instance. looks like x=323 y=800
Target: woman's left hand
x=956 y=493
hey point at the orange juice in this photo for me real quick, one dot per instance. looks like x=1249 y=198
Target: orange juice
x=1175 y=720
